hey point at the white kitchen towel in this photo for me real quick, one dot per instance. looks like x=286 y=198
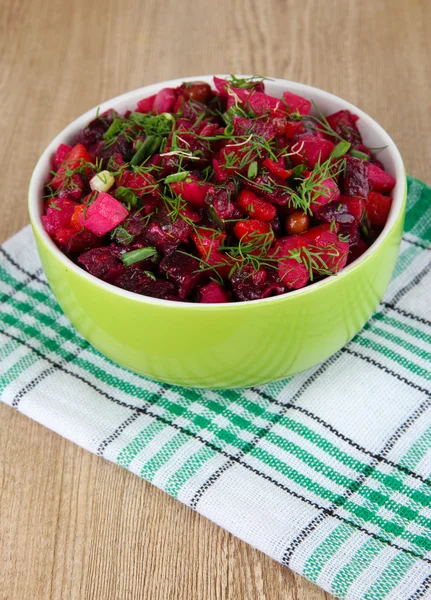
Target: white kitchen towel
x=328 y=472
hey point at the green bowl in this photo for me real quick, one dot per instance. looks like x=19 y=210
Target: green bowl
x=224 y=345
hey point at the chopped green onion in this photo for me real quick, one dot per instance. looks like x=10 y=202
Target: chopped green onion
x=176 y=177
x=298 y=170
x=149 y=147
x=215 y=217
x=359 y=154
x=252 y=170
x=126 y=195
x=114 y=128
x=340 y=149
x=134 y=256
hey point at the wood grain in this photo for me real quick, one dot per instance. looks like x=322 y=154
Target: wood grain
x=73 y=526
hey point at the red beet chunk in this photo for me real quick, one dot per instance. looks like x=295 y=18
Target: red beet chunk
x=164 y=101
x=184 y=271
x=96 y=129
x=337 y=211
x=377 y=207
x=192 y=190
x=293 y=273
x=146 y=104
x=222 y=201
x=139 y=282
x=103 y=263
x=60 y=155
x=248 y=284
x=256 y=207
x=103 y=215
x=141 y=183
x=293 y=128
x=356 y=177
x=332 y=252
x=80 y=241
x=297 y=103
x=261 y=127
x=326 y=192
x=278 y=195
x=310 y=150
x=58 y=214
x=213 y=293
x=355 y=206
x=343 y=123
x=155 y=236
x=379 y=180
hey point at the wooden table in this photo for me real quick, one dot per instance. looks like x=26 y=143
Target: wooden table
x=73 y=526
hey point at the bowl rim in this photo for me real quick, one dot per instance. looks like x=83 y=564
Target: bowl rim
x=40 y=170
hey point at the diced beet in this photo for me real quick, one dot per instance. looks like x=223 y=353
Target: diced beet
x=95 y=130
x=208 y=242
x=208 y=129
x=132 y=227
x=377 y=207
x=220 y=174
x=235 y=158
x=121 y=146
x=164 y=101
x=62 y=235
x=349 y=231
x=293 y=128
x=355 y=206
x=60 y=155
x=221 y=85
x=72 y=188
x=356 y=250
x=256 y=207
x=379 y=180
x=248 y=284
x=132 y=279
x=262 y=103
x=183 y=270
x=58 y=214
x=192 y=190
x=311 y=150
x=297 y=103
x=261 y=127
x=213 y=293
x=146 y=104
x=137 y=281
x=154 y=235
x=334 y=210
x=81 y=241
x=326 y=191
x=222 y=200
x=278 y=195
x=179 y=229
x=142 y=183
x=103 y=214
x=293 y=273
x=102 y=263
x=343 y=123
x=356 y=177
x=332 y=252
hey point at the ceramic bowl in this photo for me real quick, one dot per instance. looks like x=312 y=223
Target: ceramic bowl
x=224 y=345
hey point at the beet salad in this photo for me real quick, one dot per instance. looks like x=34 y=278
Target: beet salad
x=216 y=195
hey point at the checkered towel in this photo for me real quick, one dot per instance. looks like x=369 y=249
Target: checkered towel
x=327 y=472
